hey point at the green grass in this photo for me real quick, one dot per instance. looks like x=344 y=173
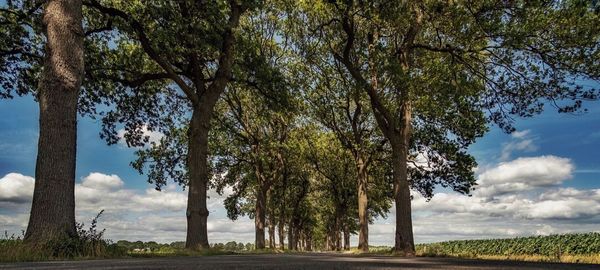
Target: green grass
x=88 y=244
x=14 y=249
x=570 y=248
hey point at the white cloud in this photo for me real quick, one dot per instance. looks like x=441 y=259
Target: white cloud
x=525 y=174
x=515 y=198
x=15 y=187
x=153 y=136
x=519 y=206
x=102 y=181
x=157 y=200
x=521 y=134
x=505 y=191
x=521 y=141
x=130 y=214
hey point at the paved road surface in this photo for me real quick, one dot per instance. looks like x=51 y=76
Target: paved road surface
x=292 y=262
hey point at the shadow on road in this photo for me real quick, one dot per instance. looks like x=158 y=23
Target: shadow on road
x=293 y=262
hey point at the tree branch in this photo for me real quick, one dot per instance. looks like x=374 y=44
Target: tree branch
x=147 y=46
x=227 y=56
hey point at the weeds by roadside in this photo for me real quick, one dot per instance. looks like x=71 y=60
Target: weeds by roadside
x=89 y=244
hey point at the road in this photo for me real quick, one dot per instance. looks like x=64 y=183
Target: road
x=292 y=262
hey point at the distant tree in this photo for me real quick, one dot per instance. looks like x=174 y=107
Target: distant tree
x=231 y=246
x=341 y=107
x=178 y=244
x=252 y=123
x=250 y=156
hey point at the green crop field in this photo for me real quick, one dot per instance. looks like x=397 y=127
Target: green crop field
x=583 y=247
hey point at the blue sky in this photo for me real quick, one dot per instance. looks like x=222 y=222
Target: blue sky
x=545 y=178
x=565 y=135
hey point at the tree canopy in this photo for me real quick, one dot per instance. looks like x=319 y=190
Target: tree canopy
x=320 y=115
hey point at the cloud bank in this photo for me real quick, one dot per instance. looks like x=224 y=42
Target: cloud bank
x=524 y=196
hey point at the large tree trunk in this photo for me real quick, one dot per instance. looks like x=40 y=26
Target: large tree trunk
x=197 y=212
x=281 y=232
x=346 y=237
x=363 y=217
x=337 y=231
x=272 y=231
x=53 y=206
x=404 y=242
x=297 y=235
x=291 y=235
x=259 y=217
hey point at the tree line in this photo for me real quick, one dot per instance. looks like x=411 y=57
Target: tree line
x=320 y=115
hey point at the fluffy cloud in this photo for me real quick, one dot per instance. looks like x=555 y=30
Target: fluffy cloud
x=17 y=188
x=153 y=136
x=506 y=191
x=130 y=214
x=102 y=181
x=157 y=200
x=451 y=216
x=525 y=174
x=520 y=206
x=514 y=198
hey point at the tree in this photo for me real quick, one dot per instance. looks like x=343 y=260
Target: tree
x=164 y=65
x=341 y=107
x=58 y=87
x=432 y=69
x=251 y=155
x=334 y=165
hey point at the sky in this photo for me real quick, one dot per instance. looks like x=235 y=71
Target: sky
x=542 y=179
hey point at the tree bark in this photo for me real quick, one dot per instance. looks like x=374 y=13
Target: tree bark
x=272 y=231
x=197 y=212
x=280 y=230
x=363 y=218
x=291 y=235
x=297 y=234
x=337 y=231
x=259 y=217
x=53 y=207
x=346 y=237
x=404 y=242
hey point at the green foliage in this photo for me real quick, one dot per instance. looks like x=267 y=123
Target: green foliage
x=359 y=50
x=154 y=63
x=553 y=245
x=20 y=48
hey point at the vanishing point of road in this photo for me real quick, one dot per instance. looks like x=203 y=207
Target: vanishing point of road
x=293 y=262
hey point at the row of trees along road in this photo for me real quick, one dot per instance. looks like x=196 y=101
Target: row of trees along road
x=318 y=114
